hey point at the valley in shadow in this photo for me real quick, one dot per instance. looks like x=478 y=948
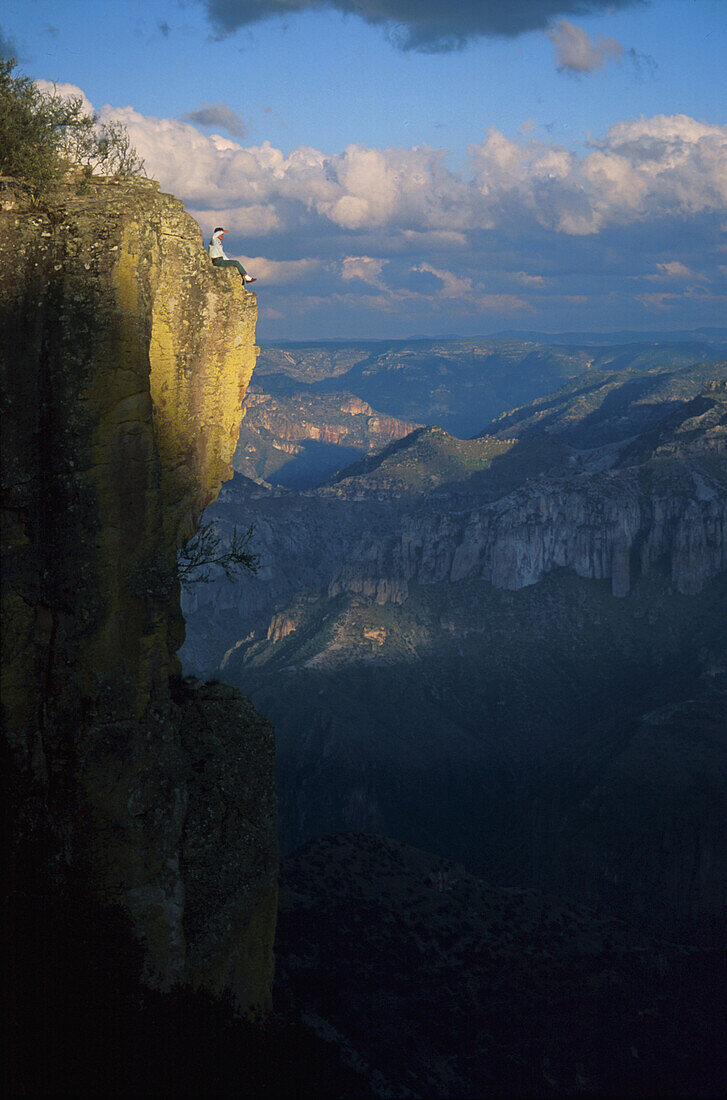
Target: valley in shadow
x=497 y=668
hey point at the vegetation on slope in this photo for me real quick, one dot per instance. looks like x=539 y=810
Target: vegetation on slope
x=435 y=984
x=461 y=384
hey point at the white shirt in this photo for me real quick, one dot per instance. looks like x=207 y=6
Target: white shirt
x=217 y=252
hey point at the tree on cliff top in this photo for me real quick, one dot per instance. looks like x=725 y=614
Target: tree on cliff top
x=43 y=134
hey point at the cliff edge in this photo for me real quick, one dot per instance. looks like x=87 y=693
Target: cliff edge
x=125 y=359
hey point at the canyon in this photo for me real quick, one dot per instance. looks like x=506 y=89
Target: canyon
x=497 y=669
x=298 y=440
x=505 y=612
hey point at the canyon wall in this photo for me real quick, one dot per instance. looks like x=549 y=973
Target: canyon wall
x=300 y=439
x=125 y=360
x=661 y=505
x=614 y=531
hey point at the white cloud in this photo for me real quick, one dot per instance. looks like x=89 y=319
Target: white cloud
x=503 y=303
x=351 y=212
x=66 y=91
x=661 y=301
x=666 y=166
x=254 y=220
x=577 y=52
x=524 y=279
x=441 y=239
x=365 y=268
x=280 y=272
x=452 y=286
x=524 y=215
x=674 y=269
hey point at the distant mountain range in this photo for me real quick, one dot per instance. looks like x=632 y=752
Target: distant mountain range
x=714 y=333
x=301 y=425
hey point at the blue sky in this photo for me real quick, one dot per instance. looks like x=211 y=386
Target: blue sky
x=420 y=167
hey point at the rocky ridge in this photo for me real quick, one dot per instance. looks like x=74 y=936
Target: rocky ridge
x=607 y=527
x=462 y=383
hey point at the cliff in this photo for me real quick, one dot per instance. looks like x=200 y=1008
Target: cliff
x=297 y=440
x=125 y=360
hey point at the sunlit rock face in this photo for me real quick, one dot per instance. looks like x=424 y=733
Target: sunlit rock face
x=126 y=356
x=299 y=440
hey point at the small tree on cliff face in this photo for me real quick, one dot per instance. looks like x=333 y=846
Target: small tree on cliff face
x=42 y=134
x=207 y=549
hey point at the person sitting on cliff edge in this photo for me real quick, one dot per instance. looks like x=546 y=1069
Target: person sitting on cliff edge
x=219 y=259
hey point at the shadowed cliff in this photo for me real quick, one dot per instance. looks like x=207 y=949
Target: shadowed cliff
x=125 y=360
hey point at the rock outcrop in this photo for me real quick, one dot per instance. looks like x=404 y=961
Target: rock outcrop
x=350 y=419
x=310 y=436
x=610 y=532
x=125 y=360
x=660 y=508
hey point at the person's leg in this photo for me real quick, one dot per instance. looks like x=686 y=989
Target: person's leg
x=219 y=262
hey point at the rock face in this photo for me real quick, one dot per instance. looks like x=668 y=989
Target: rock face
x=126 y=357
x=663 y=503
x=289 y=425
x=299 y=440
x=609 y=530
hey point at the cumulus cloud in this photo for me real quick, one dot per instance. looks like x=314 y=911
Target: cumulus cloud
x=526 y=225
x=427 y=25
x=661 y=167
x=209 y=115
x=366 y=268
x=66 y=91
x=658 y=167
x=577 y=52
